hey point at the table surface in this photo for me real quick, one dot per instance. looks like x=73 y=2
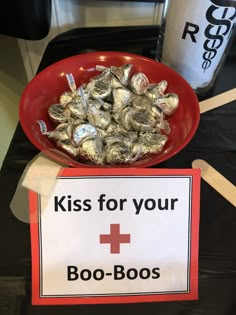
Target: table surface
x=214 y=141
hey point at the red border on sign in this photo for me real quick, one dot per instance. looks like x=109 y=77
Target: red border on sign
x=194 y=240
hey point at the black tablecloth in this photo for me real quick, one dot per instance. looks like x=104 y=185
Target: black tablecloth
x=214 y=141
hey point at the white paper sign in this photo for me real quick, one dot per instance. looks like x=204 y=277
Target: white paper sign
x=117 y=236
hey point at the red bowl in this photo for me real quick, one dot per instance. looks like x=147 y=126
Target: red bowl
x=45 y=88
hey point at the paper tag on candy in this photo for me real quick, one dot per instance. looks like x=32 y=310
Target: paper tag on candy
x=71 y=81
x=43 y=127
x=100 y=68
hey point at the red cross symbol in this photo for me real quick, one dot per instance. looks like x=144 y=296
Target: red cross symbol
x=114 y=238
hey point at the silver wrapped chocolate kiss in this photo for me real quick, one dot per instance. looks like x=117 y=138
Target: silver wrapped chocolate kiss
x=168 y=103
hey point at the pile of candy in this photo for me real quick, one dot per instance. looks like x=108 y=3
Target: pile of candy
x=113 y=119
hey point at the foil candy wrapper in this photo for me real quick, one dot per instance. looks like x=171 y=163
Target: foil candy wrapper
x=114 y=127
x=143 y=121
x=139 y=83
x=115 y=83
x=154 y=91
x=107 y=106
x=125 y=118
x=91 y=151
x=82 y=132
x=99 y=104
x=156 y=112
x=168 y=103
x=65 y=98
x=141 y=102
x=61 y=132
x=122 y=97
x=149 y=143
x=84 y=92
x=77 y=109
x=124 y=137
x=122 y=73
x=105 y=73
x=68 y=147
x=98 y=118
x=101 y=88
x=101 y=133
x=58 y=113
x=165 y=126
x=118 y=153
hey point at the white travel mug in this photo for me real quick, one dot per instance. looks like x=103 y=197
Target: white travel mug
x=197 y=35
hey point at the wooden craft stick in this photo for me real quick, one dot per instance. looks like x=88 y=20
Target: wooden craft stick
x=218 y=100
x=216 y=180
